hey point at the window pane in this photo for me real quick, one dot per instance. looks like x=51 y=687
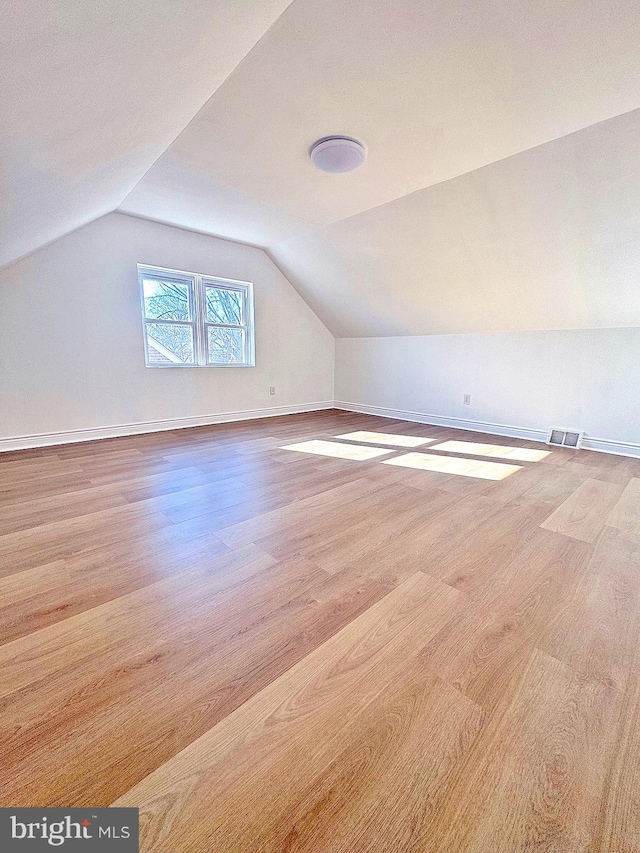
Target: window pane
x=224 y=306
x=225 y=346
x=165 y=300
x=169 y=344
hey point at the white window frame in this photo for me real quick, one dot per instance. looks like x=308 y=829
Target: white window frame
x=197 y=284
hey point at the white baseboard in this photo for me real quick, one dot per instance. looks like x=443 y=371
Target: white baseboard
x=437 y=420
x=607 y=445
x=25 y=442
x=600 y=445
x=47 y=439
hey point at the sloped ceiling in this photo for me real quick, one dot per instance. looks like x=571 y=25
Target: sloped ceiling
x=500 y=189
x=93 y=91
x=546 y=239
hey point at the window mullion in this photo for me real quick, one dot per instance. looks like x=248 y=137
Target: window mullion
x=199 y=321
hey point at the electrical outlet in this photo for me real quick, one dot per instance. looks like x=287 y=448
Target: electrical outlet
x=272 y=390
x=467 y=399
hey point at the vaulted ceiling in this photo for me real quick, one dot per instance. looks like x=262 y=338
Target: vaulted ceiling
x=92 y=92
x=502 y=180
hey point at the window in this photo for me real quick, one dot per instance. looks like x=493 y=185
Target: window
x=195 y=320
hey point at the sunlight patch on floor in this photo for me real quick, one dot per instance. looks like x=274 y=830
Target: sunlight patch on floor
x=450 y=465
x=337 y=449
x=387 y=438
x=520 y=454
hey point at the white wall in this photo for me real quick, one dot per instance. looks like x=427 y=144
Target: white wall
x=583 y=379
x=71 y=346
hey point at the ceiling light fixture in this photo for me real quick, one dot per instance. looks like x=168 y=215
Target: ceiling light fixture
x=337 y=154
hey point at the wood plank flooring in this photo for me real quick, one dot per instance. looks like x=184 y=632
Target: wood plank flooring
x=276 y=651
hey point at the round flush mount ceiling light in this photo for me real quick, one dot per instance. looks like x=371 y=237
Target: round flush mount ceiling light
x=337 y=154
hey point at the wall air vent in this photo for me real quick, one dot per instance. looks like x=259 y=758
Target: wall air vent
x=565 y=438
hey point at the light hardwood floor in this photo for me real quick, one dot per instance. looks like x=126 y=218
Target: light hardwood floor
x=268 y=650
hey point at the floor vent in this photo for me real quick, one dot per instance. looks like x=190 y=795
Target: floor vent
x=565 y=438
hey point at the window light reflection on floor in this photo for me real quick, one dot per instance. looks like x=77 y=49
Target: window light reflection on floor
x=454 y=465
x=337 y=449
x=520 y=454
x=387 y=438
